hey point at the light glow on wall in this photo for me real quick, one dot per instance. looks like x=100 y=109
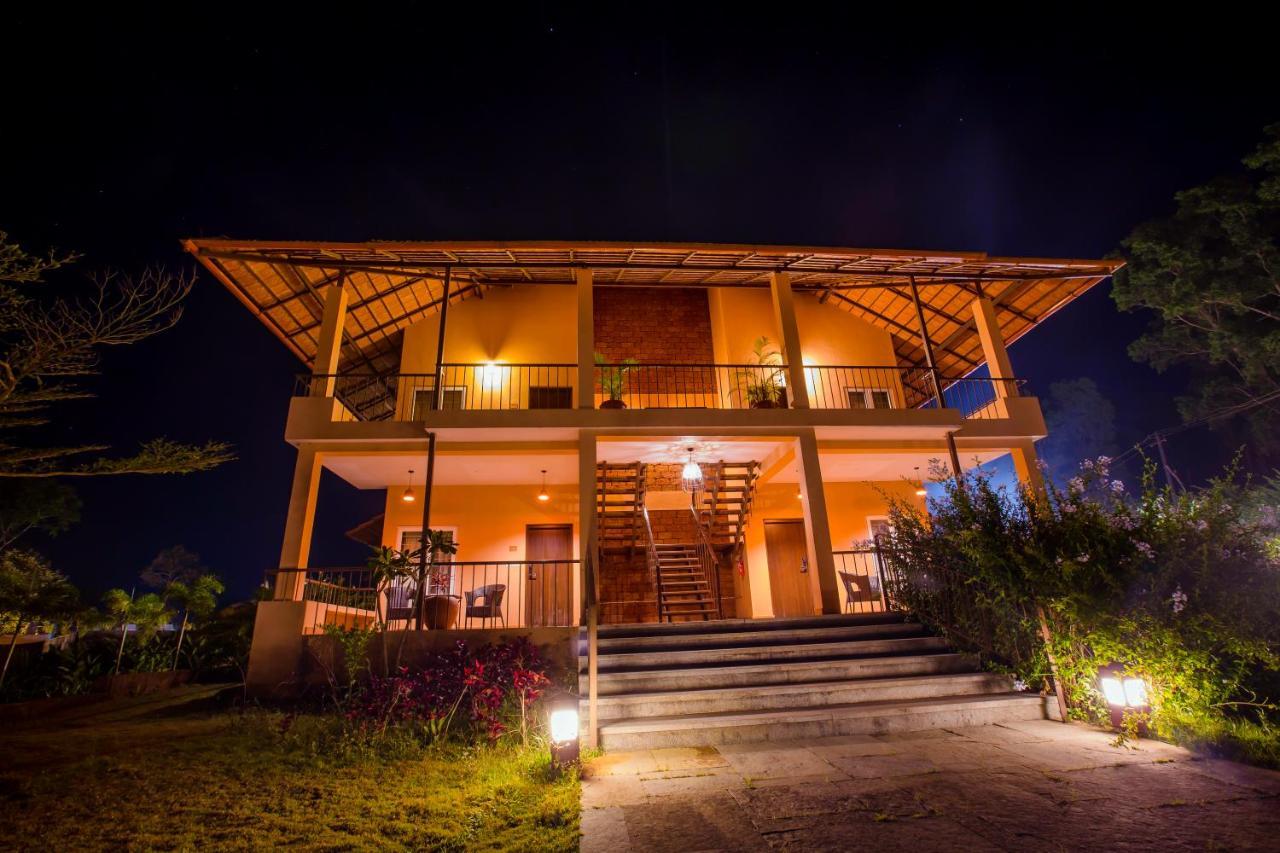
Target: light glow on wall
x=491 y=375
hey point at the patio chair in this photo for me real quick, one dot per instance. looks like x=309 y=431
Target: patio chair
x=489 y=606
x=859 y=589
x=400 y=603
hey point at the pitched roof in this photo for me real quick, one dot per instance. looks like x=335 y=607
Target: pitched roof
x=393 y=285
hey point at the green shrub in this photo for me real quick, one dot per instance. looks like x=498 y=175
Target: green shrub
x=1180 y=589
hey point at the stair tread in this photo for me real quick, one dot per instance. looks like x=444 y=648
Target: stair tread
x=793 y=686
x=789 y=715
x=741 y=670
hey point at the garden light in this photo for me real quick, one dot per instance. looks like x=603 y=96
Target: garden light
x=1113 y=691
x=564 y=735
x=1123 y=693
x=1135 y=693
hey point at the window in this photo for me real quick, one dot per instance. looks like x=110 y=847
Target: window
x=452 y=399
x=869 y=398
x=443 y=581
x=550 y=397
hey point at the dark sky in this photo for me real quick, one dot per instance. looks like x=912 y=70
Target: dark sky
x=125 y=130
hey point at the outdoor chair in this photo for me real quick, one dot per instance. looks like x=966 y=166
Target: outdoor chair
x=489 y=606
x=859 y=589
x=400 y=603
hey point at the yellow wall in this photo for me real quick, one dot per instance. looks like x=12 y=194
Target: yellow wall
x=828 y=336
x=848 y=507
x=490 y=523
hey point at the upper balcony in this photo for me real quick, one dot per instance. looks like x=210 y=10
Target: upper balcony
x=504 y=336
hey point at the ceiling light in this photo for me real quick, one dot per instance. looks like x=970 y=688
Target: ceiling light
x=408 y=496
x=691 y=475
x=542 y=493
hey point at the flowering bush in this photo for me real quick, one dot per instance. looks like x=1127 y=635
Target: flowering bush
x=488 y=692
x=1179 y=589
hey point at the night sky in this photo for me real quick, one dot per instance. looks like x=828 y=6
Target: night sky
x=124 y=131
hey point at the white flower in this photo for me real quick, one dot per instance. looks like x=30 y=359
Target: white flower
x=1019 y=685
x=1145 y=550
x=1178 y=599
x=1117 y=486
x=1075 y=484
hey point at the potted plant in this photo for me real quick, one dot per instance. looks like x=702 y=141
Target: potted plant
x=613 y=380
x=763 y=381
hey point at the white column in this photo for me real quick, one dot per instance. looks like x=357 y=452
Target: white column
x=784 y=312
x=298 y=525
x=586 y=345
x=816 y=527
x=993 y=348
x=329 y=348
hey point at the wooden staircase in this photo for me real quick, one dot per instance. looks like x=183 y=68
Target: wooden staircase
x=726 y=502
x=684 y=590
x=620 y=505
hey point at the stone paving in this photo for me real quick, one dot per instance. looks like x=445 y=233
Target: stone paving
x=1019 y=786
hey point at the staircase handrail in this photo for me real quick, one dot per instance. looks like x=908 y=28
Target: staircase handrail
x=707 y=557
x=651 y=557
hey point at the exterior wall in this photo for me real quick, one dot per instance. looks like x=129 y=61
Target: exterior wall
x=490 y=522
x=828 y=335
x=662 y=326
x=848 y=507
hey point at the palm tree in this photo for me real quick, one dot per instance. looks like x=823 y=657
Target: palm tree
x=147 y=614
x=197 y=598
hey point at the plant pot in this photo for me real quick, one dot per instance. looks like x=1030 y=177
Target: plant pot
x=613 y=404
x=764 y=404
x=439 y=611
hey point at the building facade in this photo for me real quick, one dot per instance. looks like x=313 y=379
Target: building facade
x=630 y=433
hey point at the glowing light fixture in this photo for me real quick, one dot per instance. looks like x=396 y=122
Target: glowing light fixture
x=408 y=496
x=490 y=375
x=542 y=493
x=1122 y=691
x=920 y=490
x=691 y=475
x=1113 y=690
x=563 y=723
x=1135 y=692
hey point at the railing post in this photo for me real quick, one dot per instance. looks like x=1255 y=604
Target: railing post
x=329 y=346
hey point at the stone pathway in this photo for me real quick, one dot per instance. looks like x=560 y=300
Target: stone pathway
x=1020 y=786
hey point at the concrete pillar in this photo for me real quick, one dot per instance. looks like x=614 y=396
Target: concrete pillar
x=586 y=345
x=298 y=525
x=329 y=347
x=784 y=311
x=816 y=527
x=1026 y=464
x=586 y=500
x=587 y=552
x=993 y=348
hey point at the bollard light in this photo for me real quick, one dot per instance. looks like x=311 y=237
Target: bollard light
x=1123 y=693
x=564 y=736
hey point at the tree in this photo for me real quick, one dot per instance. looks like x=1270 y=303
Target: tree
x=1081 y=422
x=198 y=598
x=146 y=613
x=48 y=342
x=30 y=590
x=1211 y=274
x=27 y=505
x=175 y=564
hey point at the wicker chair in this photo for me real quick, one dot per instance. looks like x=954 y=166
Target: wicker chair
x=489 y=606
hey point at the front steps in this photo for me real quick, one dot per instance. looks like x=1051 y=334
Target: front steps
x=733 y=681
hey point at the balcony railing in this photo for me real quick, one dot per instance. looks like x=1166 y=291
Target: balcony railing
x=463 y=594
x=861 y=574
x=500 y=387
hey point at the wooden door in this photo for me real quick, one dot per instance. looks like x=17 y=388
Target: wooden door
x=788 y=568
x=548 y=586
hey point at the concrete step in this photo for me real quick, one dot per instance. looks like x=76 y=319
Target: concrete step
x=651 y=629
x=785 y=673
x=660 y=659
x=798 y=637
x=726 y=700
x=792 y=723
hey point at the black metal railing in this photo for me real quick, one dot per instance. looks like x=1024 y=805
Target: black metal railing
x=495 y=387
x=861 y=575
x=978 y=398
x=690 y=386
x=461 y=594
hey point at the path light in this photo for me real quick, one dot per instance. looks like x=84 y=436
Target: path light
x=542 y=494
x=691 y=475
x=1122 y=692
x=564 y=733
x=408 y=496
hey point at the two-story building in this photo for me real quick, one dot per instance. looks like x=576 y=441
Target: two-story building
x=631 y=433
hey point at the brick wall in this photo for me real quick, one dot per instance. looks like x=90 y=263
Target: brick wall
x=666 y=476
x=657 y=326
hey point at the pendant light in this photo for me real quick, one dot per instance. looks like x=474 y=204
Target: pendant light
x=920 y=490
x=408 y=496
x=542 y=494
x=691 y=475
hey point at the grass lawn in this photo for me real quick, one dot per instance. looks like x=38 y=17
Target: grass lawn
x=167 y=772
